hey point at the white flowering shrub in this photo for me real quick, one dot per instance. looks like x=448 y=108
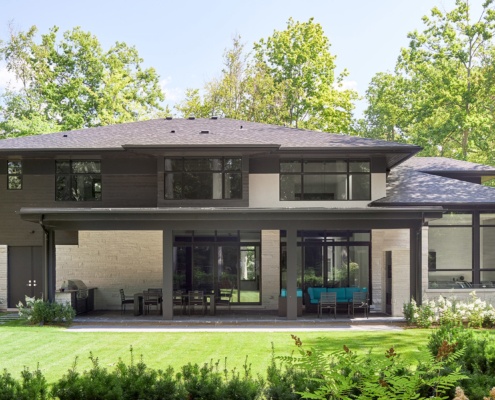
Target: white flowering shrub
x=476 y=313
x=37 y=311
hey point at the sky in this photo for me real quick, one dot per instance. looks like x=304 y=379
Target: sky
x=185 y=40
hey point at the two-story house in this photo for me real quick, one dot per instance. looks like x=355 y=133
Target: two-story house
x=213 y=203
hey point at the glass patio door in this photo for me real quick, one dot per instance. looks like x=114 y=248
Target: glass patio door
x=218 y=261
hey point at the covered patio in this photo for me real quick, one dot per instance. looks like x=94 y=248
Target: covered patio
x=291 y=221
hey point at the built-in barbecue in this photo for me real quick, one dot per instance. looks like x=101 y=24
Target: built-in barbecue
x=78 y=294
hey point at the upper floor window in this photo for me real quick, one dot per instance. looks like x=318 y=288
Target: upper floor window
x=203 y=178
x=77 y=180
x=325 y=180
x=14 y=175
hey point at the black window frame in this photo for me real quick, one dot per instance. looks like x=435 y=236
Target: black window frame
x=302 y=173
x=223 y=170
x=11 y=173
x=70 y=175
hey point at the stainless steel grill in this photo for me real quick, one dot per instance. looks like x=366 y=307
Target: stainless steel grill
x=80 y=286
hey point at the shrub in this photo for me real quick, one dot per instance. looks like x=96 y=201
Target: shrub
x=475 y=312
x=37 y=311
x=345 y=375
x=33 y=386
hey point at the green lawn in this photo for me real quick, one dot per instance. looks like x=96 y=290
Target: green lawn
x=55 y=349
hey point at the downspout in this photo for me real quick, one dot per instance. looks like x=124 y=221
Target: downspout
x=45 y=259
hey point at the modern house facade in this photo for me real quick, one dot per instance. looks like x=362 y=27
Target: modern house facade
x=218 y=203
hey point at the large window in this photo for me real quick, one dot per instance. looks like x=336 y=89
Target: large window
x=330 y=259
x=77 y=180
x=487 y=250
x=325 y=180
x=450 y=252
x=215 y=261
x=14 y=175
x=203 y=178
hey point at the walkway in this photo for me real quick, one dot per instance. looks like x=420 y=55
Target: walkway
x=245 y=321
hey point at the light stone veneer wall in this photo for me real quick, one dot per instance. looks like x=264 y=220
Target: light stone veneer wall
x=270 y=260
x=3 y=277
x=111 y=260
x=132 y=260
x=396 y=241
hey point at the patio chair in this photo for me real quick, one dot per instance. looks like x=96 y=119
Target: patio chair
x=360 y=301
x=124 y=300
x=178 y=300
x=150 y=299
x=196 y=298
x=225 y=297
x=327 y=300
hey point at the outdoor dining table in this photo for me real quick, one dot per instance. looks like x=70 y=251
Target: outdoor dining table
x=139 y=302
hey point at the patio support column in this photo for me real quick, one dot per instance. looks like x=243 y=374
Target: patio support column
x=291 y=273
x=49 y=265
x=168 y=275
x=416 y=264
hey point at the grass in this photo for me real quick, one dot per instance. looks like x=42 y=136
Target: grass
x=54 y=348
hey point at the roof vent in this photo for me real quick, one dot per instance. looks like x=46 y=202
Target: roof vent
x=205 y=132
x=192 y=118
x=172 y=131
x=168 y=118
x=241 y=126
x=214 y=117
x=65 y=135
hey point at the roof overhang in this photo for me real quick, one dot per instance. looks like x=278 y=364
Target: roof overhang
x=228 y=218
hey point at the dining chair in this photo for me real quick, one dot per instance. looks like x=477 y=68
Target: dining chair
x=360 y=300
x=150 y=299
x=124 y=300
x=196 y=298
x=178 y=300
x=224 y=297
x=328 y=300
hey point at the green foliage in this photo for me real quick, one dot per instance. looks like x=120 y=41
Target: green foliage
x=440 y=96
x=72 y=83
x=347 y=375
x=477 y=362
x=37 y=311
x=290 y=80
x=33 y=386
x=475 y=312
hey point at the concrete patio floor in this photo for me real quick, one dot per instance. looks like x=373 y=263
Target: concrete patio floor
x=235 y=320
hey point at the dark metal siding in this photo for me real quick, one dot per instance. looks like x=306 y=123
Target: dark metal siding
x=128 y=181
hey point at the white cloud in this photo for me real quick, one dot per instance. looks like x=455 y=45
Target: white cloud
x=8 y=79
x=172 y=94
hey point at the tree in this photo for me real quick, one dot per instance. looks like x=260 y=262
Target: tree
x=303 y=70
x=289 y=81
x=73 y=83
x=441 y=94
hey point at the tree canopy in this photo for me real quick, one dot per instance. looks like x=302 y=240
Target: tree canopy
x=73 y=83
x=289 y=80
x=441 y=93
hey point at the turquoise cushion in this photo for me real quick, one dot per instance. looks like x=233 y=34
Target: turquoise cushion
x=283 y=293
x=314 y=294
x=341 y=295
x=350 y=291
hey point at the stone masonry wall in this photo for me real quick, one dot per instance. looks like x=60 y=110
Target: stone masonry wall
x=270 y=260
x=111 y=260
x=396 y=241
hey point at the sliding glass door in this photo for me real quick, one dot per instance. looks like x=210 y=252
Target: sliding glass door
x=217 y=260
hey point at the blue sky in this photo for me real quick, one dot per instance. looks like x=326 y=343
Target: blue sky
x=184 y=40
